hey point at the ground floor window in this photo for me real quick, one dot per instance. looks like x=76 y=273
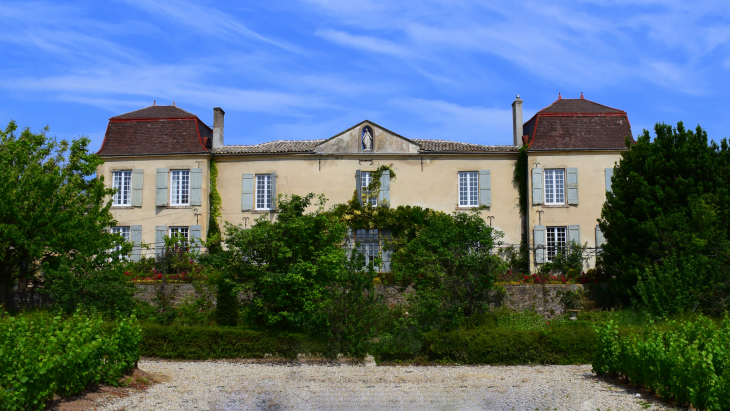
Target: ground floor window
x=180 y=232
x=556 y=241
x=124 y=232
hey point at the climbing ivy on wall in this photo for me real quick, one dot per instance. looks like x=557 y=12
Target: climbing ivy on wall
x=214 y=231
x=520 y=177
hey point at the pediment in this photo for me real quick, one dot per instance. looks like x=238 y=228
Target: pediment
x=365 y=138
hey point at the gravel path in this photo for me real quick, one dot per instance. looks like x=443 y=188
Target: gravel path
x=224 y=385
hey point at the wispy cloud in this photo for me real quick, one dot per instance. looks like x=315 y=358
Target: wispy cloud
x=362 y=42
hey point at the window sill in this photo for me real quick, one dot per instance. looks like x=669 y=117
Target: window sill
x=556 y=206
x=262 y=211
x=181 y=206
x=469 y=208
x=122 y=207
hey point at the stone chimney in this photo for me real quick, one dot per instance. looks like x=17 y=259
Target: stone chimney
x=218 y=114
x=517 y=121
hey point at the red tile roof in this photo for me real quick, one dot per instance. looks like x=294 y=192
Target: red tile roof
x=578 y=124
x=156 y=130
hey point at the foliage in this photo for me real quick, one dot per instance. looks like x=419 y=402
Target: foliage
x=567 y=262
x=373 y=189
x=39 y=359
x=103 y=288
x=665 y=225
x=52 y=209
x=214 y=239
x=227 y=307
x=688 y=362
x=180 y=261
x=451 y=267
x=289 y=265
x=565 y=344
x=520 y=177
x=202 y=343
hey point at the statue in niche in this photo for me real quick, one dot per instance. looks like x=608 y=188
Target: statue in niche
x=367 y=138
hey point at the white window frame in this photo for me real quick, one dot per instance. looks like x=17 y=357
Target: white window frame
x=124 y=231
x=554 y=184
x=263 y=192
x=122 y=182
x=176 y=230
x=468 y=183
x=179 y=187
x=556 y=239
x=366 y=177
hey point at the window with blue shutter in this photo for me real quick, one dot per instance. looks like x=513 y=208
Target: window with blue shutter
x=609 y=175
x=384 y=194
x=137 y=183
x=572 y=183
x=247 y=192
x=136 y=242
x=537 y=191
x=196 y=187
x=162 y=200
x=485 y=188
x=538 y=239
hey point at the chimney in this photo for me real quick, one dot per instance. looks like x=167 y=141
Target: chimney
x=218 y=114
x=517 y=121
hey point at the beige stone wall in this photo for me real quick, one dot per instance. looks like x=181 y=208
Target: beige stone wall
x=426 y=181
x=149 y=215
x=591 y=167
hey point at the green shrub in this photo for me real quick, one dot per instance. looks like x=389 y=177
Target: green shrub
x=202 y=343
x=40 y=358
x=226 y=302
x=564 y=344
x=688 y=362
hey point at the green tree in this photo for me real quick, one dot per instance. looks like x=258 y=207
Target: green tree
x=665 y=221
x=52 y=210
x=451 y=266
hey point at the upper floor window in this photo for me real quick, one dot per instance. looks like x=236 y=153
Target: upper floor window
x=468 y=189
x=556 y=241
x=123 y=231
x=555 y=186
x=122 y=182
x=180 y=187
x=263 y=191
x=180 y=232
x=366 y=177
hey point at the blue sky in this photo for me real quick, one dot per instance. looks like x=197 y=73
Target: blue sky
x=312 y=68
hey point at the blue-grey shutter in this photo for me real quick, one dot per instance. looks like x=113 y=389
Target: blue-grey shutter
x=609 y=174
x=196 y=233
x=136 y=237
x=573 y=234
x=358 y=185
x=196 y=186
x=137 y=183
x=247 y=192
x=600 y=240
x=384 y=194
x=572 y=182
x=537 y=192
x=385 y=252
x=160 y=233
x=485 y=188
x=273 y=191
x=162 y=178
x=538 y=238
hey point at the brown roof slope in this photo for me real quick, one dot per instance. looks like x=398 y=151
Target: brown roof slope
x=278 y=146
x=578 y=124
x=156 y=112
x=156 y=130
x=457 y=147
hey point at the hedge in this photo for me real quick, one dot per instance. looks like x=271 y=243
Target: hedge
x=203 y=343
x=43 y=357
x=688 y=362
x=565 y=344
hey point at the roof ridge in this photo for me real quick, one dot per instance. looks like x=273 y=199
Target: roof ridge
x=155 y=118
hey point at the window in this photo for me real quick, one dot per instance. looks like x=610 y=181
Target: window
x=180 y=232
x=555 y=186
x=369 y=242
x=122 y=182
x=468 y=189
x=263 y=192
x=124 y=232
x=180 y=187
x=366 y=177
x=556 y=241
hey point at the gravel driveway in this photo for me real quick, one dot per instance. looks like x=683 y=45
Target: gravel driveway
x=226 y=385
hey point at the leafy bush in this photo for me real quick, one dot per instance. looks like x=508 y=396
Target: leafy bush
x=40 y=358
x=564 y=344
x=451 y=266
x=202 y=343
x=688 y=362
x=227 y=307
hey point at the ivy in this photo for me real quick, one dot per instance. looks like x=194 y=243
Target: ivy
x=520 y=178
x=214 y=230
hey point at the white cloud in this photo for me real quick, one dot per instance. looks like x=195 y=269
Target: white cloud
x=362 y=42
